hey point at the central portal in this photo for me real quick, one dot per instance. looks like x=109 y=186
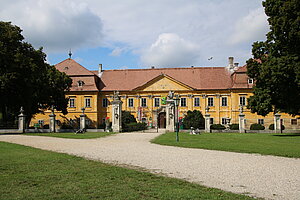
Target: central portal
x=162 y=120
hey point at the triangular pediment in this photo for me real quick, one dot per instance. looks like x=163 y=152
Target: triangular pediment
x=164 y=83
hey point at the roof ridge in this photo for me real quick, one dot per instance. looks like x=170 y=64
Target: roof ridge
x=175 y=68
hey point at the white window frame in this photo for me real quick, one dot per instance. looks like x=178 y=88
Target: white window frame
x=183 y=102
x=87 y=102
x=41 y=122
x=156 y=102
x=210 y=101
x=261 y=121
x=72 y=104
x=130 y=102
x=250 y=80
x=224 y=120
x=244 y=101
x=223 y=102
x=294 y=120
x=143 y=102
x=197 y=102
x=104 y=102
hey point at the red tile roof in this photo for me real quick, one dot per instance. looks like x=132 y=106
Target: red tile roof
x=78 y=73
x=72 y=68
x=199 y=78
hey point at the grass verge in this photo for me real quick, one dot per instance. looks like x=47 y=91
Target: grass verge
x=287 y=145
x=28 y=173
x=87 y=135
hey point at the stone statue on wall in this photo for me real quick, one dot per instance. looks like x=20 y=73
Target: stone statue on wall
x=170 y=95
x=116 y=96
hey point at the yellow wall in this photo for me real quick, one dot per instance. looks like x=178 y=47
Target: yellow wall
x=160 y=88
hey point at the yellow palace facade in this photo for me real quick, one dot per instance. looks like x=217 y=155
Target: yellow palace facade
x=142 y=91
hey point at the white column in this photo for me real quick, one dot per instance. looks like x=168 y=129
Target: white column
x=52 y=122
x=277 y=124
x=117 y=115
x=22 y=118
x=170 y=117
x=242 y=123
x=207 y=123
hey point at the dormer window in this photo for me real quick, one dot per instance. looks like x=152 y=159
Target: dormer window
x=80 y=83
x=250 y=80
x=66 y=68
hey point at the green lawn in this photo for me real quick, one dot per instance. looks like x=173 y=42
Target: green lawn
x=28 y=173
x=87 y=135
x=287 y=145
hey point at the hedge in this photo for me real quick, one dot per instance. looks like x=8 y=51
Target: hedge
x=257 y=127
x=217 y=127
x=234 y=126
x=134 y=127
x=271 y=127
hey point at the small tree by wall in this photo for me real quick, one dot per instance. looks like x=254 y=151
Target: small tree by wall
x=193 y=119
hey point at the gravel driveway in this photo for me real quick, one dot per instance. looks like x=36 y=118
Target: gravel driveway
x=269 y=177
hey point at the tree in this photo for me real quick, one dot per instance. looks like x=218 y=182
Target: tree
x=193 y=119
x=26 y=79
x=275 y=65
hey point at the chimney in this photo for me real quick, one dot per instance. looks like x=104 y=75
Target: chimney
x=230 y=61
x=236 y=64
x=100 y=71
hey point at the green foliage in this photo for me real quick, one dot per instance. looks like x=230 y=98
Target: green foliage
x=127 y=118
x=86 y=135
x=287 y=145
x=193 y=119
x=271 y=127
x=275 y=66
x=28 y=173
x=257 y=127
x=25 y=78
x=217 y=127
x=134 y=127
x=234 y=126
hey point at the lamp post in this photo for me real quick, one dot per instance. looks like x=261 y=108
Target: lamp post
x=176 y=103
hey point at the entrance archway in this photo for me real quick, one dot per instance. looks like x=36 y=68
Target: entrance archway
x=162 y=120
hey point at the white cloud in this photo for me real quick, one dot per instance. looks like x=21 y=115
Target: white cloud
x=117 y=51
x=169 y=50
x=55 y=25
x=253 y=26
x=222 y=28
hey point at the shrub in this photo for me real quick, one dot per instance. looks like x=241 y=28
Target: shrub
x=234 y=126
x=46 y=126
x=134 y=127
x=257 y=127
x=66 y=125
x=193 y=119
x=127 y=118
x=217 y=127
x=271 y=127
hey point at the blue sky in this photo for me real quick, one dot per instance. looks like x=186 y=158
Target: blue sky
x=140 y=33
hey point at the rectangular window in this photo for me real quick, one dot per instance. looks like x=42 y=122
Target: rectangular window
x=261 y=121
x=104 y=102
x=41 y=122
x=130 y=102
x=210 y=101
x=224 y=121
x=250 y=80
x=242 y=100
x=72 y=103
x=224 y=101
x=196 y=101
x=183 y=102
x=143 y=102
x=211 y=120
x=156 y=102
x=87 y=102
x=293 y=121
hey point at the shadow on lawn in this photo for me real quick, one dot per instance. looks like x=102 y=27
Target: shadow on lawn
x=289 y=135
